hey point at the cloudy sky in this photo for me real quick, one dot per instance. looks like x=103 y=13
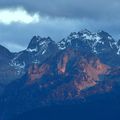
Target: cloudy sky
x=21 y=19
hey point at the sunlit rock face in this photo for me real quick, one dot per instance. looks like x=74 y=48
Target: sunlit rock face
x=63 y=64
x=35 y=72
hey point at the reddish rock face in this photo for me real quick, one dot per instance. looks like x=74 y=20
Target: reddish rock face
x=81 y=72
x=92 y=70
x=35 y=72
x=62 y=64
x=70 y=75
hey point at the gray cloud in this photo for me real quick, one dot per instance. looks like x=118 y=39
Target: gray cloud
x=96 y=9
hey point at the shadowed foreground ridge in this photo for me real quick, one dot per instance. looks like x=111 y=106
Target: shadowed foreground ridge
x=82 y=69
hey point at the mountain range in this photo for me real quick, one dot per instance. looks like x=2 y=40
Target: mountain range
x=47 y=73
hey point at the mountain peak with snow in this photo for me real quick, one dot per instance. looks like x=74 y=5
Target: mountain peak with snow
x=85 y=31
x=101 y=32
x=100 y=43
x=36 y=43
x=37 y=51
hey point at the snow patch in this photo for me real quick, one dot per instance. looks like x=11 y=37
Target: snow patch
x=118 y=52
x=31 y=50
x=75 y=36
x=88 y=37
x=36 y=61
x=62 y=45
x=109 y=37
x=18 y=66
x=42 y=43
x=43 y=51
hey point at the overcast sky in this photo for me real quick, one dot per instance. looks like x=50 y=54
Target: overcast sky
x=21 y=19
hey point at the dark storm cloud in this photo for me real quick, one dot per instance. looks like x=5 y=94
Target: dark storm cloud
x=70 y=8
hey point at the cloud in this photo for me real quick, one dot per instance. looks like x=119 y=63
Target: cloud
x=93 y=9
x=17 y=15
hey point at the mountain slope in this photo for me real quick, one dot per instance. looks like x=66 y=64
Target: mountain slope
x=5 y=69
x=39 y=49
x=68 y=77
x=82 y=65
x=15 y=65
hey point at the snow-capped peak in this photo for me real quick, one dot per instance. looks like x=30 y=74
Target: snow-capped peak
x=85 y=31
x=31 y=50
x=104 y=34
x=73 y=35
x=99 y=42
x=38 y=44
x=83 y=35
